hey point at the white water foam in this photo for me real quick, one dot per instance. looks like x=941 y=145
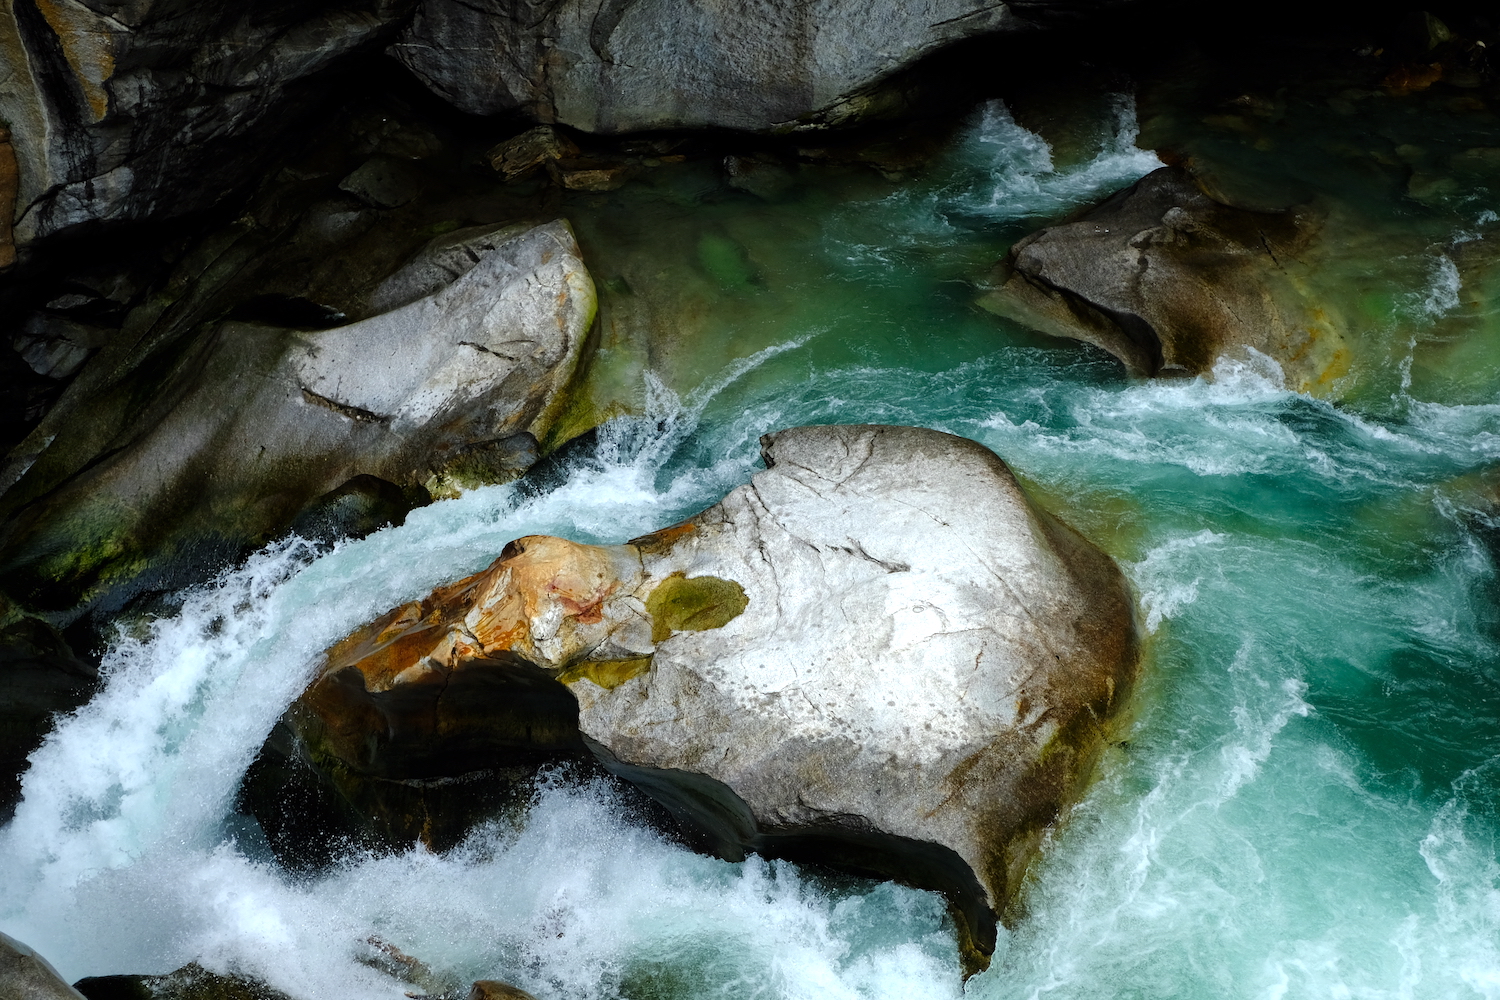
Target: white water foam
x=119 y=857
x=997 y=173
x=1162 y=578
x=1020 y=179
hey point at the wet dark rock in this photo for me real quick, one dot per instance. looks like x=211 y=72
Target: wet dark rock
x=493 y=989
x=1168 y=280
x=159 y=109
x=360 y=507
x=40 y=676
x=763 y=176
x=25 y=975
x=56 y=346
x=382 y=182
x=191 y=982
x=10 y=183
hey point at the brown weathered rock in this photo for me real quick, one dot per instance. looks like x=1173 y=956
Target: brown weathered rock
x=595 y=177
x=532 y=149
x=191 y=982
x=1168 y=280
x=493 y=989
x=878 y=654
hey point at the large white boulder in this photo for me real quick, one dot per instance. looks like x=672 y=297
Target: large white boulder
x=879 y=653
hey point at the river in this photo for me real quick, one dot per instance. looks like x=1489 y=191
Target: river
x=1303 y=803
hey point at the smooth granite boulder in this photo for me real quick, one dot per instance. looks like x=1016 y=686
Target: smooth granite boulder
x=1168 y=281
x=25 y=975
x=250 y=423
x=878 y=654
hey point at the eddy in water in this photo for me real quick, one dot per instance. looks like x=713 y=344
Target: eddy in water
x=1222 y=619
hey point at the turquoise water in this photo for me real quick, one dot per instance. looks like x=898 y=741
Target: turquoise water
x=1304 y=802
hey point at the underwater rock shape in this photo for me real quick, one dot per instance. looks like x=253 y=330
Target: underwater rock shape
x=878 y=654
x=1168 y=280
x=620 y=66
x=25 y=975
x=251 y=422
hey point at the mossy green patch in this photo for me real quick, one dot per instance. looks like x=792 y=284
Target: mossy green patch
x=726 y=262
x=608 y=674
x=693 y=604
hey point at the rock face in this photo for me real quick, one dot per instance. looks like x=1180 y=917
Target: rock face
x=877 y=654
x=1168 y=280
x=150 y=108
x=628 y=65
x=252 y=422
x=25 y=975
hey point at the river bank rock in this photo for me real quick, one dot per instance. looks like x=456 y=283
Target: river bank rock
x=620 y=66
x=1168 y=280
x=245 y=424
x=878 y=654
x=153 y=109
x=25 y=975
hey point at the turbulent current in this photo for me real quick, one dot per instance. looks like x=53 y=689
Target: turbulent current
x=1304 y=802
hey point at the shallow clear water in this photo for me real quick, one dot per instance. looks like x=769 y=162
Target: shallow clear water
x=1304 y=804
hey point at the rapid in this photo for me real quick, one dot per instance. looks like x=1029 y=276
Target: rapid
x=1304 y=802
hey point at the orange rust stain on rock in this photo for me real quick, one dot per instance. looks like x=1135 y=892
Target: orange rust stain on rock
x=88 y=45
x=482 y=614
x=665 y=538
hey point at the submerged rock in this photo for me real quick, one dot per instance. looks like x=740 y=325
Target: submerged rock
x=191 y=982
x=493 y=989
x=1168 y=280
x=535 y=148
x=878 y=654
x=186 y=467
x=25 y=975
